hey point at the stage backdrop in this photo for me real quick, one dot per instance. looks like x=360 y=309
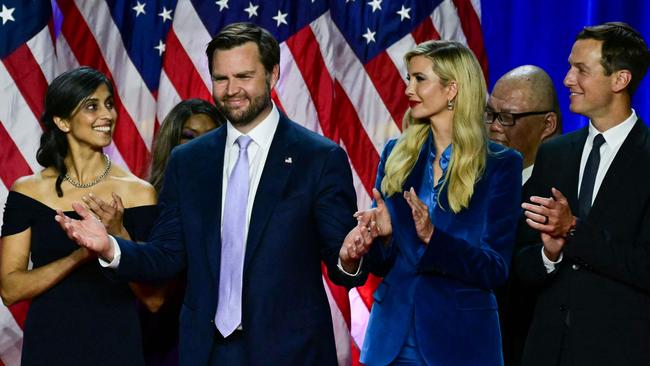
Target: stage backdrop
x=541 y=32
x=342 y=75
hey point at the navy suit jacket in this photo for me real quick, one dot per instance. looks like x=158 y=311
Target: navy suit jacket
x=302 y=211
x=597 y=299
x=444 y=289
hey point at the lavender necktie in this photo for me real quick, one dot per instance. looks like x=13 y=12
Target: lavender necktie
x=233 y=232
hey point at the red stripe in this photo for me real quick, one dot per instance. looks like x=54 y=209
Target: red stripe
x=356 y=354
x=277 y=101
x=360 y=149
x=389 y=84
x=425 y=31
x=306 y=53
x=12 y=162
x=19 y=312
x=85 y=48
x=366 y=291
x=28 y=78
x=340 y=296
x=181 y=71
x=471 y=25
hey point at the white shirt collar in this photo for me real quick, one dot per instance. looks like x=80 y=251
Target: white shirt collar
x=526 y=173
x=615 y=136
x=262 y=134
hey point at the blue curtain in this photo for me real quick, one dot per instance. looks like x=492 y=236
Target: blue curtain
x=541 y=32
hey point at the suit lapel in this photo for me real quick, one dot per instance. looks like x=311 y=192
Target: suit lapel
x=619 y=171
x=572 y=174
x=274 y=178
x=211 y=205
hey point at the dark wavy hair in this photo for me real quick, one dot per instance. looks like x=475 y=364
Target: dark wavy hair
x=237 y=34
x=63 y=95
x=169 y=135
x=623 y=48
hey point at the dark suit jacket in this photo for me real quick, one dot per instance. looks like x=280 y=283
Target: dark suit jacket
x=444 y=289
x=302 y=211
x=516 y=301
x=602 y=286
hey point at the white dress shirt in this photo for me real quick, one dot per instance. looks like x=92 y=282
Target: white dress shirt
x=526 y=173
x=258 y=150
x=614 y=138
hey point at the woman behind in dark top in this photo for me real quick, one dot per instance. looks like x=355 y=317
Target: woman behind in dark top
x=189 y=119
x=76 y=316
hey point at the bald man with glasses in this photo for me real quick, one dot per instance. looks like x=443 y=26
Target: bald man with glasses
x=521 y=113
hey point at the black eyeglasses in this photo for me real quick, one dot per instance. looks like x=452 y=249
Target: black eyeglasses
x=507 y=119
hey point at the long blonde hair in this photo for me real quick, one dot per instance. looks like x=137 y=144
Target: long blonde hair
x=452 y=61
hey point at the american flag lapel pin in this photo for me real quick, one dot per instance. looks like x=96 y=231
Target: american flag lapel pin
x=288 y=160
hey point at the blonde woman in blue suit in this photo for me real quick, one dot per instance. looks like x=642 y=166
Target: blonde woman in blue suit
x=446 y=209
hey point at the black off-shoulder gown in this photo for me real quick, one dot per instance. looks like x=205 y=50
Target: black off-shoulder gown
x=85 y=319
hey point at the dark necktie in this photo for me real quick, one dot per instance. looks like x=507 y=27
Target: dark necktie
x=589 y=177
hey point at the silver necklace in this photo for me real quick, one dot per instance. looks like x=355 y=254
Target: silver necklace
x=107 y=167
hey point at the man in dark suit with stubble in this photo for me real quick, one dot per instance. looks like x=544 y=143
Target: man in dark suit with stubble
x=590 y=203
x=249 y=211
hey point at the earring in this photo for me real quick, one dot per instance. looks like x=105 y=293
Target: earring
x=450 y=105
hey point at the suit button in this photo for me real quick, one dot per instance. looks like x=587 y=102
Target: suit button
x=575 y=267
x=563 y=307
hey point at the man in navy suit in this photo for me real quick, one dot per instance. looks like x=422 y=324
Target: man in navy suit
x=590 y=200
x=249 y=210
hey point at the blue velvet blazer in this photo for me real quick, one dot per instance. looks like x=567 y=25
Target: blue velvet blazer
x=444 y=289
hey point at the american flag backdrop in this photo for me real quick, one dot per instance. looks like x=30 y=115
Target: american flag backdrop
x=342 y=75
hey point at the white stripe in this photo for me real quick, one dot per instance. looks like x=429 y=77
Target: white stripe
x=360 y=316
x=341 y=332
x=18 y=119
x=116 y=157
x=294 y=93
x=43 y=50
x=167 y=96
x=396 y=52
x=446 y=21
x=4 y=191
x=194 y=37
x=363 y=199
x=11 y=336
x=344 y=65
x=134 y=94
x=66 y=59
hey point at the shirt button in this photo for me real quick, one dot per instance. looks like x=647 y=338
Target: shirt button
x=575 y=267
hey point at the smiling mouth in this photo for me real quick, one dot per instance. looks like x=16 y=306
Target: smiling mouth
x=102 y=128
x=413 y=103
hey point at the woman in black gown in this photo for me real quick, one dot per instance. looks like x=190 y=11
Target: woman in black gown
x=76 y=316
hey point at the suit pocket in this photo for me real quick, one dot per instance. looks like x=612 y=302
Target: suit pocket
x=380 y=292
x=475 y=300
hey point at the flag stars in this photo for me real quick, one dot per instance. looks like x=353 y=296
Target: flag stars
x=280 y=18
x=166 y=14
x=404 y=13
x=139 y=9
x=223 y=4
x=161 y=47
x=369 y=36
x=251 y=10
x=376 y=5
x=7 y=14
